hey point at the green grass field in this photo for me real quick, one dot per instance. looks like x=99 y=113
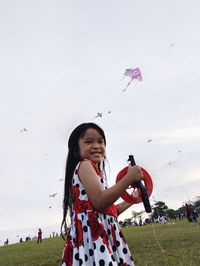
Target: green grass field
x=180 y=242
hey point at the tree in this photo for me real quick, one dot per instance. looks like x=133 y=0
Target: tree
x=127 y=222
x=197 y=202
x=159 y=209
x=171 y=213
x=137 y=214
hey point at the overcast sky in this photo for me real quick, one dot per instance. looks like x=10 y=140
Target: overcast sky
x=61 y=62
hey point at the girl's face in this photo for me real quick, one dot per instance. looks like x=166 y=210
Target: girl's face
x=92 y=146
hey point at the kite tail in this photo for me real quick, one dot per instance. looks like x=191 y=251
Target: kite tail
x=127 y=85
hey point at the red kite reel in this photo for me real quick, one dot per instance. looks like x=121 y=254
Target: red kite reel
x=143 y=191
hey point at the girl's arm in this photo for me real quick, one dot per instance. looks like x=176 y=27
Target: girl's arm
x=121 y=207
x=100 y=198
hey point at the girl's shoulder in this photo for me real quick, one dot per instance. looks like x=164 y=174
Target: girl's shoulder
x=88 y=164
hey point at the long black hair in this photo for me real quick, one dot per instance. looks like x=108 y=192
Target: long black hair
x=73 y=158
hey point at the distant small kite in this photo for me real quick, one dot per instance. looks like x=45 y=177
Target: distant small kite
x=171 y=45
x=149 y=140
x=133 y=74
x=53 y=195
x=61 y=179
x=24 y=129
x=99 y=115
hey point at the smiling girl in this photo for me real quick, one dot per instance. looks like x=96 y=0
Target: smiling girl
x=94 y=237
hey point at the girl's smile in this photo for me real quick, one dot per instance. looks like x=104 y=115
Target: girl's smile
x=92 y=146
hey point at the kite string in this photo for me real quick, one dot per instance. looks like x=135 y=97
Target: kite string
x=134 y=85
x=154 y=232
x=155 y=236
x=135 y=194
x=127 y=85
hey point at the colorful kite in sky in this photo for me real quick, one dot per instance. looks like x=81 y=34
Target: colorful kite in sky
x=133 y=74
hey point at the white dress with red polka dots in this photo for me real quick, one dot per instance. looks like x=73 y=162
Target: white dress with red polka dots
x=94 y=238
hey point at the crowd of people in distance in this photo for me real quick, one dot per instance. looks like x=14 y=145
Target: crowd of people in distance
x=191 y=213
x=38 y=238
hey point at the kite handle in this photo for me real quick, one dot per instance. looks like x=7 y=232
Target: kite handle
x=142 y=188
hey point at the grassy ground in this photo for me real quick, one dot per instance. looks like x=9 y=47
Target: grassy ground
x=180 y=242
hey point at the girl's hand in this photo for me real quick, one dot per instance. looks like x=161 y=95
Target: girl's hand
x=134 y=174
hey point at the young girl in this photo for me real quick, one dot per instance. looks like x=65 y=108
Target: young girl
x=94 y=237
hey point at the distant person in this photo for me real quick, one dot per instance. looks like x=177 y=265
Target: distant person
x=194 y=215
x=6 y=242
x=163 y=220
x=188 y=212
x=95 y=237
x=39 y=239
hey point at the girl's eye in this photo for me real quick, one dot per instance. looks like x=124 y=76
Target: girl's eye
x=88 y=141
x=101 y=141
